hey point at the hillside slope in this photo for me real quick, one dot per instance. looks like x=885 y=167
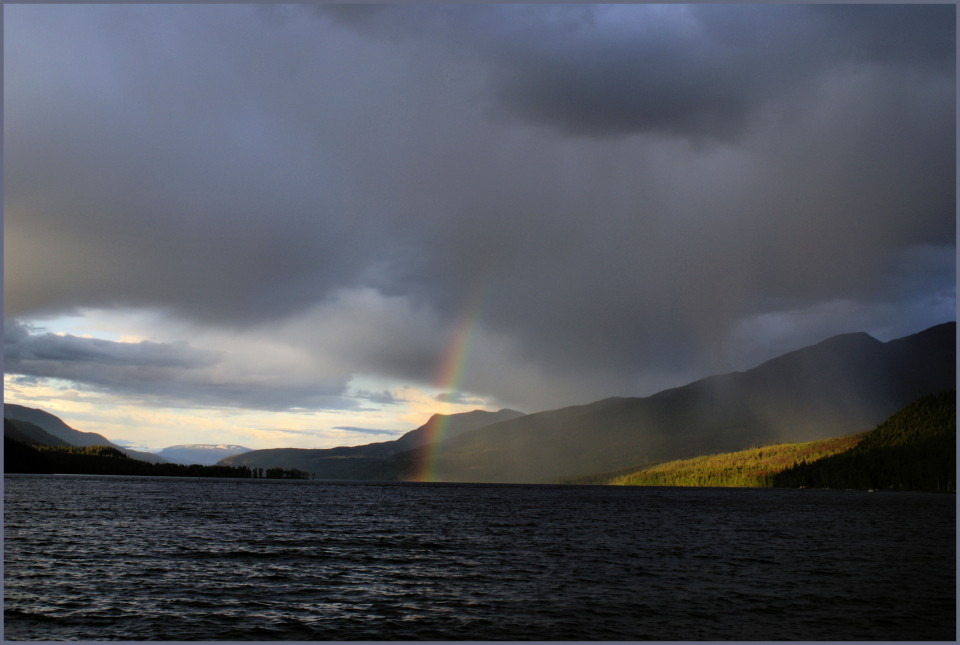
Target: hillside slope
x=55 y=426
x=825 y=390
x=915 y=449
x=755 y=467
x=30 y=434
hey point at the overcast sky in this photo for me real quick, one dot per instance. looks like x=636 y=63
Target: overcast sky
x=269 y=225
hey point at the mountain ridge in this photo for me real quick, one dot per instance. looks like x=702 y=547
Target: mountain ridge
x=840 y=385
x=913 y=449
x=56 y=427
x=837 y=386
x=368 y=461
x=29 y=433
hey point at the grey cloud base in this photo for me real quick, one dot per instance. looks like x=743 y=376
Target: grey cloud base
x=624 y=186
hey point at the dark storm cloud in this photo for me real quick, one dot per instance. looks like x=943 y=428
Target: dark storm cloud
x=895 y=34
x=156 y=173
x=623 y=185
x=21 y=347
x=698 y=72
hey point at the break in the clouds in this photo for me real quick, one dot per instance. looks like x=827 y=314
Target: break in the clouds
x=23 y=348
x=612 y=193
x=159 y=373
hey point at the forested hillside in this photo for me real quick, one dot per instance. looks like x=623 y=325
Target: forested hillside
x=842 y=385
x=912 y=450
x=54 y=428
x=755 y=467
x=915 y=449
x=30 y=434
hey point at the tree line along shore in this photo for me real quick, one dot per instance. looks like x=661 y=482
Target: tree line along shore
x=107 y=460
x=914 y=449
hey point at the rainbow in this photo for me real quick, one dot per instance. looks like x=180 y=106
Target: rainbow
x=448 y=379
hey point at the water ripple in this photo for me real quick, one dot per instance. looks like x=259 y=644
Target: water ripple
x=149 y=559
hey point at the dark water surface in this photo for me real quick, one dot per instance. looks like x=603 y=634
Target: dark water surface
x=97 y=558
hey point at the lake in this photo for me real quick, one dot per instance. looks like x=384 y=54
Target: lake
x=126 y=558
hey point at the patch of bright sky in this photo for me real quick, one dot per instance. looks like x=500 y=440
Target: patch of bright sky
x=152 y=426
x=122 y=326
x=77 y=325
x=417 y=402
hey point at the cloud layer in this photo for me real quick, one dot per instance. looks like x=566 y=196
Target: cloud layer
x=617 y=191
x=164 y=373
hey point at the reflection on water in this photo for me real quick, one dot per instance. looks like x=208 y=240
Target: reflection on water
x=177 y=559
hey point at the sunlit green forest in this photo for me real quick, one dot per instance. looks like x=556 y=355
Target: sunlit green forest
x=755 y=467
x=915 y=449
x=107 y=460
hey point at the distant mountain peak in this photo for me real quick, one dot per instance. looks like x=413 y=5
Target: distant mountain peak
x=206 y=446
x=205 y=454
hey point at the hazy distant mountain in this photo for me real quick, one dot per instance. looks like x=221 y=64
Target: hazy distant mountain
x=200 y=453
x=842 y=385
x=56 y=427
x=370 y=461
